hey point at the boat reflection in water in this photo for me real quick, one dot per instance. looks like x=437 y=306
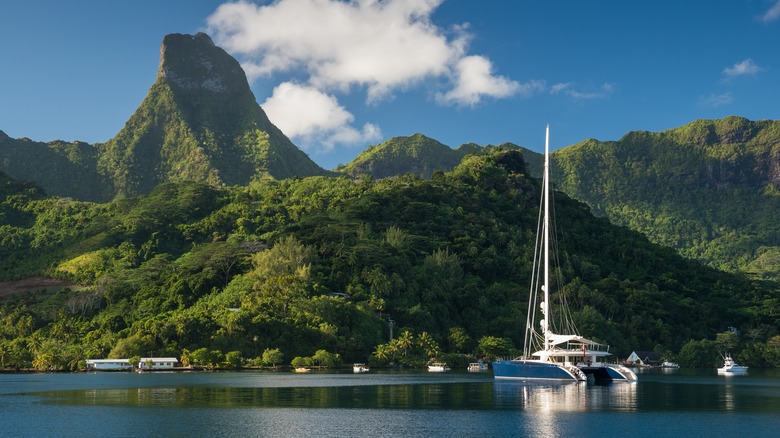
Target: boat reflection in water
x=565 y=397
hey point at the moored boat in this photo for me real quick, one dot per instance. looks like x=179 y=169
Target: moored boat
x=730 y=367
x=438 y=367
x=558 y=357
x=359 y=368
x=477 y=367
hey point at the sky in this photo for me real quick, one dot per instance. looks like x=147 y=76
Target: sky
x=340 y=75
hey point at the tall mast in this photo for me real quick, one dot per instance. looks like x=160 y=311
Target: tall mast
x=546 y=231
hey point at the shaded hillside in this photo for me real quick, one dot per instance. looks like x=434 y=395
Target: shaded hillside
x=62 y=169
x=710 y=189
x=163 y=271
x=199 y=122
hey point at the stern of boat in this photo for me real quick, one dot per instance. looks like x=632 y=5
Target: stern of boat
x=621 y=373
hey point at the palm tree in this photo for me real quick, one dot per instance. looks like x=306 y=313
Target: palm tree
x=383 y=353
x=431 y=347
x=405 y=341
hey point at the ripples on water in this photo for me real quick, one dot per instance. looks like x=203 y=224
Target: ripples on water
x=384 y=404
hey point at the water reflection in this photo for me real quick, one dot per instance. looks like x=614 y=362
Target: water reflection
x=566 y=397
x=449 y=395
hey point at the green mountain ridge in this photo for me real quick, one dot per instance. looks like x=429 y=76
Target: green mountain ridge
x=199 y=122
x=415 y=154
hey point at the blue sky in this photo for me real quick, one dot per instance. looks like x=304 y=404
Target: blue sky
x=339 y=76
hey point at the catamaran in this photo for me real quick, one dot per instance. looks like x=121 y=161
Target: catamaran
x=558 y=357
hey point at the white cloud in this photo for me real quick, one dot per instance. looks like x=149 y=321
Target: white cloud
x=772 y=14
x=307 y=114
x=746 y=67
x=716 y=100
x=567 y=88
x=381 y=46
x=474 y=79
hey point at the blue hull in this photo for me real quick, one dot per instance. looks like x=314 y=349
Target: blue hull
x=530 y=370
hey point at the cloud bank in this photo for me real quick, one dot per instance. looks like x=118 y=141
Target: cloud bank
x=333 y=46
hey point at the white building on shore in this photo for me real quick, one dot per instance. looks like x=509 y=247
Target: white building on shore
x=108 y=364
x=157 y=363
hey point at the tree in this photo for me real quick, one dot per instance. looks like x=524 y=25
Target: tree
x=301 y=361
x=185 y=357
x=215 y=358
x=405 y=342
x=726 y=341
x=288 y=257
x=384 y=353
x=133 y=345
x=459 y=340
x=325 y=359
x=200 y=357
x=234 y=359
x=493 y=347
x=272 y=356
x=699 y=354
x=431 y=347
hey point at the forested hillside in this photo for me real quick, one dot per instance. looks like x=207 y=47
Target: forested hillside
x=247 y=270
x=709 y=189
x=416 y=155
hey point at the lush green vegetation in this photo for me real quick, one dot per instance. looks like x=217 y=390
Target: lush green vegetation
x=417 y=155
x=251 y=269
x=709 y=189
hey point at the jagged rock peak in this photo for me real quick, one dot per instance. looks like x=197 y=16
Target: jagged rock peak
x=193 y=62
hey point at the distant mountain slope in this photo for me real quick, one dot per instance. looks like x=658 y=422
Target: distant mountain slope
x=415 y=154
x=710 y=189
x=199 y=122
x=62 y=169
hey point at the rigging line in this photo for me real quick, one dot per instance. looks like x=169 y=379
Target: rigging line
x=533 y=300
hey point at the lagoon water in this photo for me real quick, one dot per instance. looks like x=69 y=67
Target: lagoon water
x=382 y=404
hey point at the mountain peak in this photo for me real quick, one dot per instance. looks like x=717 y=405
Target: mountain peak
x=193 y=62
x=199 y=122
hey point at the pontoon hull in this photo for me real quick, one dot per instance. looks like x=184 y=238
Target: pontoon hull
x=610 y=373
x=533 y=370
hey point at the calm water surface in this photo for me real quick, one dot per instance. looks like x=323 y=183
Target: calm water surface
x=281 y=404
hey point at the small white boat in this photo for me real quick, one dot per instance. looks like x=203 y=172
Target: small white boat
x=438 y=367
x=477 y=367
x=668 y=364
x=730 y=367
x=359 y=368
x=302 y=369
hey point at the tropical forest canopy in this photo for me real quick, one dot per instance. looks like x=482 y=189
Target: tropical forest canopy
x=305 y=267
